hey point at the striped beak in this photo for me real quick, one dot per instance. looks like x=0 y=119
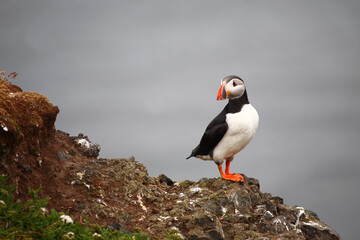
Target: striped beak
x=221 y=93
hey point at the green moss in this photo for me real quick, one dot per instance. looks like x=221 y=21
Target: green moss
x=173 y=234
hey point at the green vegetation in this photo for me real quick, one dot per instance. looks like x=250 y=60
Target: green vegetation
x=31 y=220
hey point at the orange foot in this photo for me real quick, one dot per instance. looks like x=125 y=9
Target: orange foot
x=230 y=176
x=233 y=177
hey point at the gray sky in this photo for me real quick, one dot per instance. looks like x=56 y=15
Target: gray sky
x=141 y=77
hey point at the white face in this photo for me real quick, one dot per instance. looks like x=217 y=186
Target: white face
x=234 y=87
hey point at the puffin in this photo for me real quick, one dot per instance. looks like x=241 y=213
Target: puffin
x=231 y=130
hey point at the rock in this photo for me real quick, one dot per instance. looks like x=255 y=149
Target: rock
x=26 y=119
x=215 y=235
x=164 y=179
x=318 y=230
x=72 y=152
x=197 y=234
x=85 y=146
x=254 y=182
x=206 y=222
x=115 y=226
x=62 y=155
x=26 y=169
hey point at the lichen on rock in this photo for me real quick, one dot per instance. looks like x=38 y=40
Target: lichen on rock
x=213 y=208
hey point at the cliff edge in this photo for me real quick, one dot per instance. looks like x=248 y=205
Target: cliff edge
x=119 y=193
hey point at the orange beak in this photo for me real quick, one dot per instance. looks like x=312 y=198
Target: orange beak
x=219 y=95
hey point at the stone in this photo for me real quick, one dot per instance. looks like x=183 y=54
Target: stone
x=116 y=226
x=85 y=146
x=62 y=155
x=72 y=152
x=318 y=230
x=197 y=234
x=205 y=222
x=26 y=169
x=164 y=179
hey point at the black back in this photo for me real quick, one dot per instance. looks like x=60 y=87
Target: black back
x=217 y=128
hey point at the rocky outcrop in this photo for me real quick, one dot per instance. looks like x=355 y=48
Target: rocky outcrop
x=119 y=193
x=26 y=119
x=207 y=209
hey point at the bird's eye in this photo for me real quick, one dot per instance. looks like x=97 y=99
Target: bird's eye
x=234 y=84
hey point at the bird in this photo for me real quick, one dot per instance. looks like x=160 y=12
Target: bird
x=231 y=130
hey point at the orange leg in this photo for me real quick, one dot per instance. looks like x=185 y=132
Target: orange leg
x=227 y=168
x=229 y=176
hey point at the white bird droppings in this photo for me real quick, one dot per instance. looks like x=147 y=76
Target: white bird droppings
x=4 y=127
x=195 y=189
x=83 y=142
x=301 y=212
x=141 y=202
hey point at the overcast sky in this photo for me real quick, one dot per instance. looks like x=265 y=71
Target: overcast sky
x=140 y=78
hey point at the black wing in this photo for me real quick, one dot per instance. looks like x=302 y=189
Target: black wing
x=212 y=136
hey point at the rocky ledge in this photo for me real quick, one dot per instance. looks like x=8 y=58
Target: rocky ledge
x=119 y=193
x=207 y=209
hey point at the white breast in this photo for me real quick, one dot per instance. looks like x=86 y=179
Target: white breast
x=241 y=129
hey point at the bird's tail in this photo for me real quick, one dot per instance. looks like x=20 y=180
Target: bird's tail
x=193 y=153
